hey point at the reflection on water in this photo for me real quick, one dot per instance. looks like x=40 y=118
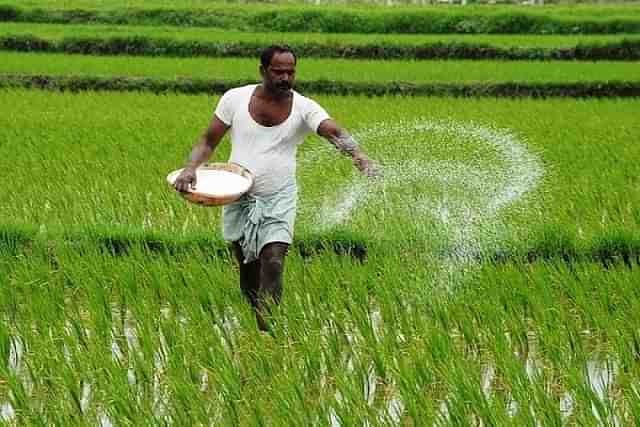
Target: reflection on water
x=6 y=412
x=381 y=394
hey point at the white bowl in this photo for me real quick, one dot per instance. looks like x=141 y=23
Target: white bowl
x=216 y=184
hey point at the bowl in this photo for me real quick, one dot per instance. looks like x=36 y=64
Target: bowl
x=216 y=184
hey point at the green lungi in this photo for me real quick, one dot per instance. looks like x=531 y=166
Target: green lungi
x=254 y=221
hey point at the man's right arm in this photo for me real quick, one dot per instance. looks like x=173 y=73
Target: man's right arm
x=201 y=153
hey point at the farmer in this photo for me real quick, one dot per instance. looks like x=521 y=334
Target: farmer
x=267 y=122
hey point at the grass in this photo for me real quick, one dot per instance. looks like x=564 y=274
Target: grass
x=60 y=31
x=330 y=69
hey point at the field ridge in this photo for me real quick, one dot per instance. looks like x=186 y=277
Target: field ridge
x=609 y=248
x=624 y=89
x=625 y=50
x=334 y=20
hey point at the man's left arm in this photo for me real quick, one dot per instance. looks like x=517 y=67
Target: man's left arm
x=347 y=145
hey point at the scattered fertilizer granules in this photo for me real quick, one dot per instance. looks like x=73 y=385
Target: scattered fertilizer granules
x=479 y=172
x=220 y=183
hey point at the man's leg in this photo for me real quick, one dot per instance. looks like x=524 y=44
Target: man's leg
x=249 y=276
x=271 y=267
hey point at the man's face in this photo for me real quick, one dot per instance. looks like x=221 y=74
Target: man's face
x=280 y=75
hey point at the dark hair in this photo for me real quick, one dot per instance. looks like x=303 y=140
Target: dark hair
x=267 y=54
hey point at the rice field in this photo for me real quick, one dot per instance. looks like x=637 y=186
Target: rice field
x=59 y=32
x=144 y=338
x=124 y=144
x=489 y=277
x=432 y=335
x=615 y=10
x=459 y=71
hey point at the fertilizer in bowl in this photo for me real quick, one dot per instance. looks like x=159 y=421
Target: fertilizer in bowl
x=220 y=183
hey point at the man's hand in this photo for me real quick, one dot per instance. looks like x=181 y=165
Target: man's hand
x=348 y=146
x=368 y=167
x=186 y=181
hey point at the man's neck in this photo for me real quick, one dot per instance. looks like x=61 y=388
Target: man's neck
x=271 y=95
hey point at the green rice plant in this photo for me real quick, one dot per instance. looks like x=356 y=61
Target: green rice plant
x=618 y=9
x=152 y=41
x=478 y=19
x=584 y=280
x=615 y=246
x=58 y=33
x=590 y=89
x=626 y=49
x=321 y=69
x=171 y=341
x=122 y=189
x=553 y=242
x=426 y=329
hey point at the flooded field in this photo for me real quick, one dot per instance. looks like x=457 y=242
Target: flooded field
x=488 y=276
x=487 y=294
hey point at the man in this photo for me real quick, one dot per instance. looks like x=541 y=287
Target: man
x=267 y=122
